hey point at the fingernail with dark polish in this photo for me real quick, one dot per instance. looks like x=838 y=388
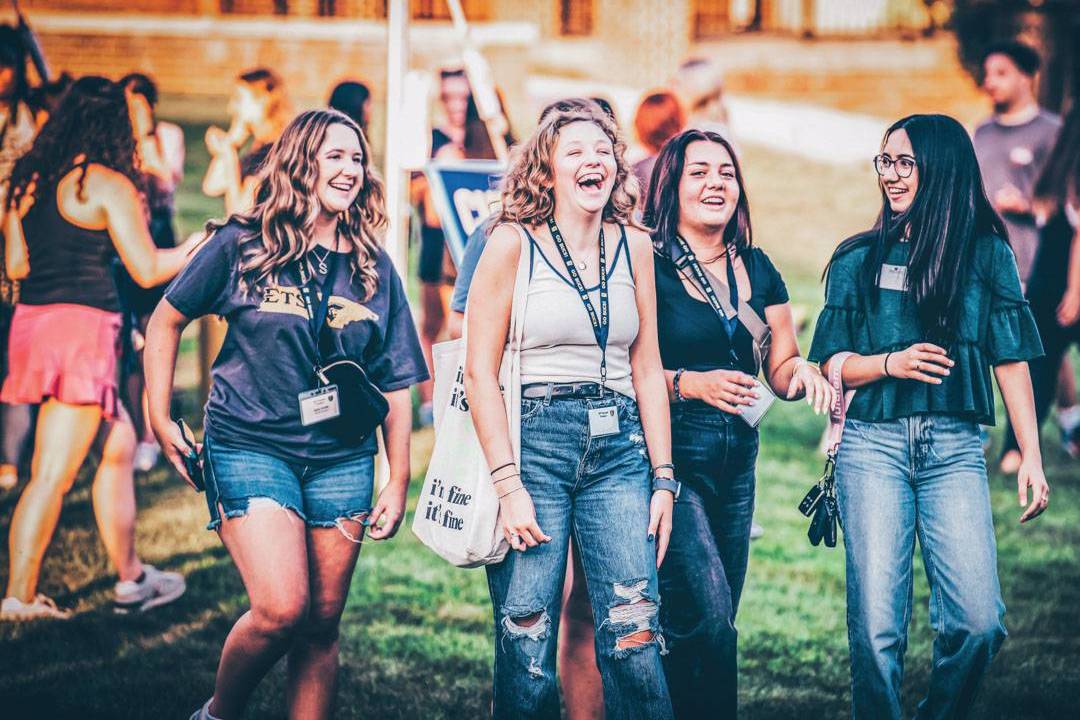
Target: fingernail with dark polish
x=651 y=536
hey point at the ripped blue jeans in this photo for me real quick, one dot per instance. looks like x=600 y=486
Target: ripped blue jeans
x=596 y=490
x=321 y=496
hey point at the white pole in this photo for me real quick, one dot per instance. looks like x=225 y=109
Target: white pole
x=397 y=197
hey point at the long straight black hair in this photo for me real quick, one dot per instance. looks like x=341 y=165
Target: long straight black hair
x=949 y=213
x=661 y=212
x=1060 y=178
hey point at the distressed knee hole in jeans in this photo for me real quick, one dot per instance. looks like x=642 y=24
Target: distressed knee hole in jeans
x=635 y=614
x=529 y=626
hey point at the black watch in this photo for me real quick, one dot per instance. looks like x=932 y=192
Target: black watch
x=665 y=483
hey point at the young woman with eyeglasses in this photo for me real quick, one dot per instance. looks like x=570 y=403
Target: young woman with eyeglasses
x=928 y=302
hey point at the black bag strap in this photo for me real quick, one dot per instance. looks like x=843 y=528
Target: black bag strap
x=316 y=305
x=717 y=292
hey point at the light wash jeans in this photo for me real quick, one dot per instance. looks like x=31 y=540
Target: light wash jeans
x=922 y=475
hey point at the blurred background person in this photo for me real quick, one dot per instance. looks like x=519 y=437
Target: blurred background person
x=259 y=110
x=17 y=130
x=354 y=99
x=454 y=98
x=161 y=156
x=75 y=203
x=1054 y=292
x=699 y=84
x=658 y=118
x=1013 y=146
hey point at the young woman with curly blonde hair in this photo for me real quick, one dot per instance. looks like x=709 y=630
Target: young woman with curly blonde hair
x=594 y=412
x=302 y=280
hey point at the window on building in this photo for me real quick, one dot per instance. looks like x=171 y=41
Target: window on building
x=439 y=10
x=576 y=17
x=255 y=7
x=712 y=18
x=327 y=8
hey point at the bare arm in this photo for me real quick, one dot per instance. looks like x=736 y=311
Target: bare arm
x=126 y=223
x=16 y=254
x=1068 y=311
x=389 y=509
x=788 y=374
x=488 y=327
x=650 y=387
x=1014 y=381
x=924 y=362
x=159 y=365
x=223 y=172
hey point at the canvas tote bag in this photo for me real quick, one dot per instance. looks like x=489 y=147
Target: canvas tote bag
x=457 y=514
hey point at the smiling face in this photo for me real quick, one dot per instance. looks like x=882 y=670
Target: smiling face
x=341 y=169
x=584 y=167
x=899 y=191
x=708 y=189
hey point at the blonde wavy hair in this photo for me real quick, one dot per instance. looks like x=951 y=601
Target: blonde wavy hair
x=281 y=223
x=528 y=195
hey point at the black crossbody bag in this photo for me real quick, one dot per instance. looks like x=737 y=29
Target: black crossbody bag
x=363 y=408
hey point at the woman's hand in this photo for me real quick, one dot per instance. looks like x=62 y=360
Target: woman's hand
x=661 y=511
x=1068 y=311
x=218 y=141
x=176 y=448
x=724 y=389
x=1030 y=475
x=518 y=518
x=820 y=394
x=924 y=362
x=389 y=510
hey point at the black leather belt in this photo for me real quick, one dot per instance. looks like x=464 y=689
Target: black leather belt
x=555 y=391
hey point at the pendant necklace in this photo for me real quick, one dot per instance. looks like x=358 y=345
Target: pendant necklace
x=322 y=267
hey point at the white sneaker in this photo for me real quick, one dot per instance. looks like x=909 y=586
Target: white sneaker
x=156 y=589
x=756 y=530
x=146 y=456
x=40 y=607
x=203 y=713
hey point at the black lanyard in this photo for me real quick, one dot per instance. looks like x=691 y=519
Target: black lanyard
x=599 y=322
x=688 y=258
x=317 y=310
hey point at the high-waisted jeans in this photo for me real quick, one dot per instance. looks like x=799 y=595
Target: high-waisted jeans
x=702 y=577
x=918 y=476
x=598 y=491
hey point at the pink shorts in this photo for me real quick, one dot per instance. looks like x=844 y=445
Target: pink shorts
x=63 y=351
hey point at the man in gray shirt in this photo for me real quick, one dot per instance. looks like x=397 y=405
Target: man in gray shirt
x=1013 y=145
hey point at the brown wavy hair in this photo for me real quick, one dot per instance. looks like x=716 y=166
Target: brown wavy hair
x=280 y=224
x=528 y=195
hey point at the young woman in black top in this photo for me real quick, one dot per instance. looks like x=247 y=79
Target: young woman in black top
x=697 y=205
x=75 y=206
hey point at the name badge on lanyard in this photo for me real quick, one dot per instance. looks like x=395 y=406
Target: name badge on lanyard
x=893 y=277
x=602 y=420
x=319 y=404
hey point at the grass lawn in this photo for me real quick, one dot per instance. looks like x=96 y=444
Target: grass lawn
x=416 y=635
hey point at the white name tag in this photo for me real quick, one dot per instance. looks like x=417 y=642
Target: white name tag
x=603 y=421
x=318 y=405
x=893 y=277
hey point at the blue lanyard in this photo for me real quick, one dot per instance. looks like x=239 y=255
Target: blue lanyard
x=687 y=258
x=317 y=310
x=600 y=323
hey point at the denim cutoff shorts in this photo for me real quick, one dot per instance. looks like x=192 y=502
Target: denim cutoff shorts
x=321 y=495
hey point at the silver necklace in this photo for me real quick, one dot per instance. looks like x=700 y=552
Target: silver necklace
x=322 y=266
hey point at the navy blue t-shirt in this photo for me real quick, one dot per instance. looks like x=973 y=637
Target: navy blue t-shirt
x=268 y=355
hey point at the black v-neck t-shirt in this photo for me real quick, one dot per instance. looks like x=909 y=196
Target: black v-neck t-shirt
x=692 y=336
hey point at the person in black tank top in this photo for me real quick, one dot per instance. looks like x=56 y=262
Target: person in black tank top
x=78 y=179
x=698 y=208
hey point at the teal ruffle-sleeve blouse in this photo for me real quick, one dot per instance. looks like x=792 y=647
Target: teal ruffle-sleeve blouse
x=996 y=326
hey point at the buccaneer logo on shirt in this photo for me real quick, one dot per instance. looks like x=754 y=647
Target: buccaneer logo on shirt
x=341 y=311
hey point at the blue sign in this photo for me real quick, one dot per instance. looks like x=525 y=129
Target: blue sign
x=465 y=192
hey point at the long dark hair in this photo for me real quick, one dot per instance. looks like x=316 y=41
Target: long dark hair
x=949 y=213
x=1060 y=179
x=662 y=204
x=91 y=121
